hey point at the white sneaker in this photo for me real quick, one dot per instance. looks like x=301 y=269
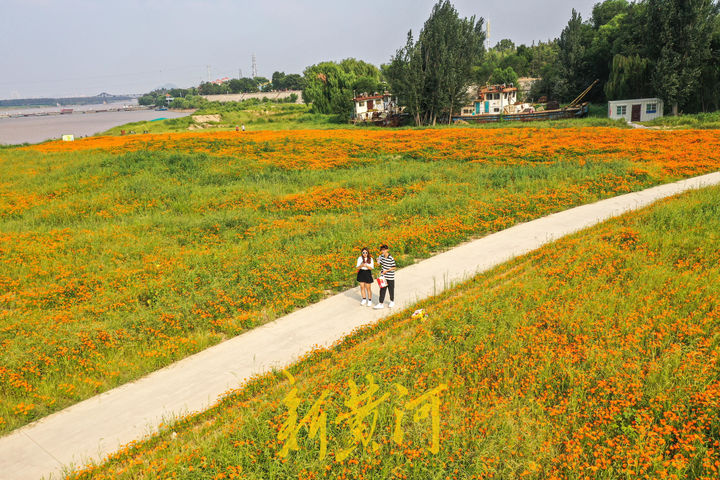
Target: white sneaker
x=369 y=303
x=364 y=302
x=391 y=304
x=379 y=306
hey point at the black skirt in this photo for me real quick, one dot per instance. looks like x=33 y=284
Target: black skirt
x=364 y=276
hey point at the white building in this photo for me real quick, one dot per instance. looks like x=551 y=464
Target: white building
x=368 y=107
x=493 y=99
x=637 y=110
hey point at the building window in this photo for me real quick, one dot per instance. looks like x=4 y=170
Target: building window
x=651 y=108
x=497 y=109
x=621 y=109
x=361 y=104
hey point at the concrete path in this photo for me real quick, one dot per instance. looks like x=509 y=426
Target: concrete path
x=100 y=425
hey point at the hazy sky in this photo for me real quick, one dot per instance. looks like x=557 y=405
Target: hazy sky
x=84 y=47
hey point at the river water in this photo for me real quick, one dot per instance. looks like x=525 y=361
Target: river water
x=38 y=129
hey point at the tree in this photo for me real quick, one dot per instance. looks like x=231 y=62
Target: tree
x=442 y=59
x=504 y=76
x=666 y=48
x=575 y=66
x=540 y=56
x=278 y=80
x=604 y=12
x=146 y=100
x=681 y=33
x=629 y=78
x=407 y=78
x=505 y=46
x=709 y=95
x=613 y=31
x=243 y=85
x=293 y=81
x=209 y=88
x=328 y=86
x=366 y=85
x=517 y=63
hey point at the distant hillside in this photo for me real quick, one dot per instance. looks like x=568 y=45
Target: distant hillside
x=39 y=102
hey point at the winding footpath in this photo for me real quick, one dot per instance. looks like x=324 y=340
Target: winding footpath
x=100 y=425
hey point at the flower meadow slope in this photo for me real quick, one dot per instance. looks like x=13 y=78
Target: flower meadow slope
x=119 y=255
x=324 y=149
x=594 y=357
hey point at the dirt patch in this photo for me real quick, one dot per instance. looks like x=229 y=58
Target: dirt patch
x=205 y=118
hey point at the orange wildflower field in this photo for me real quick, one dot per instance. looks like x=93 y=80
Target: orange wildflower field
x=120 y=255
x=597 y=356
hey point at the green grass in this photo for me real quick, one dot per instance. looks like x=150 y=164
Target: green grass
x=698 y=120
x=254 y=115
x=280 y=116
x=594 y=357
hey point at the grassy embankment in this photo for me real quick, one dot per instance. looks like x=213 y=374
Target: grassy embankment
x=594 y=357
x=119 y=255
x=698 y=120
x=254 y=115
x=280 y=116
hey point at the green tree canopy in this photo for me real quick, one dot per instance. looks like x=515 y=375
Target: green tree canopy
x=243 y=85
x=367 y=85
x=664 y=48
x=682 y=33
x=328 y=86
x=431 y=76
x=629 y=78
x=280 y=81
x=504 y=76
x=505 y=46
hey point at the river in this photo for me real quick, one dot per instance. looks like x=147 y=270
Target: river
x=36 y=129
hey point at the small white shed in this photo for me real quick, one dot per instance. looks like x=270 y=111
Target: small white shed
x=637 y=110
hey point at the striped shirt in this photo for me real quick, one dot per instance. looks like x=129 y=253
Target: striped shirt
x=385 y=263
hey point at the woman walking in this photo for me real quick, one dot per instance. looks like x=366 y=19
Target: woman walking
x=365 y=264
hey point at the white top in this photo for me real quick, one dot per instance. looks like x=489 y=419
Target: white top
x=360 y=262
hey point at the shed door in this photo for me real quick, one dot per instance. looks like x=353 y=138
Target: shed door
x=487 y=106
x=370 y=106
x=635 y=116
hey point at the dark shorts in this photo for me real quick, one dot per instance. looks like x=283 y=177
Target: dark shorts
x=364 y=276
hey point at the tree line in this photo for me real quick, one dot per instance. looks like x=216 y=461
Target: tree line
x=650 y=48
x=279 y=82
x=646 y=48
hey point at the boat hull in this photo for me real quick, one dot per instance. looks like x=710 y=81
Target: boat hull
x=574 y=112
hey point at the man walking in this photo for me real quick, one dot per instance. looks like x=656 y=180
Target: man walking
x=387 y=269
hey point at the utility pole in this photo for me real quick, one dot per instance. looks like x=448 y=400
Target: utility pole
x=487 y=34
x=208 y=72
x=254 y=66
x=239 y=72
